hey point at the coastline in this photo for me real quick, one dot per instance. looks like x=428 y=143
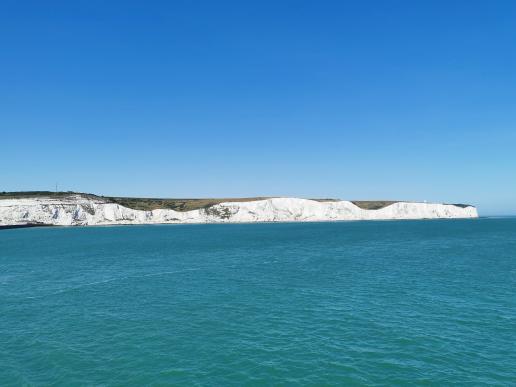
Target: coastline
x=108 y=225
x=78 y=210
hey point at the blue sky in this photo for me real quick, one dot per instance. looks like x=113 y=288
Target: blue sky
x=355 y=100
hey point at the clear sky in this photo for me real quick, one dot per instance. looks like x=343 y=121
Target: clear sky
x=411 y=100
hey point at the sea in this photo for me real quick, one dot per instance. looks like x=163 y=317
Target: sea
x=372 y=303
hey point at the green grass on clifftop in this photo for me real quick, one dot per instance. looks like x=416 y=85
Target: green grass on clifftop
x=147 y=204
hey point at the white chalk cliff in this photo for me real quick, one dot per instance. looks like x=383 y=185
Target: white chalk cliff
x=78 y=210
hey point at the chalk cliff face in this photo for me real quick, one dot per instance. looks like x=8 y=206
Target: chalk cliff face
x=77 y=210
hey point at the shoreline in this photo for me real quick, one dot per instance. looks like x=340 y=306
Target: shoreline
x=28 y=225
x=22 y=226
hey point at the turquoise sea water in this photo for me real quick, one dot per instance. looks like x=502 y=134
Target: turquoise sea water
x=350 y=303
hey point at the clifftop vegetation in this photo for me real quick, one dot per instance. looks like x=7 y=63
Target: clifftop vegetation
x=147 y=204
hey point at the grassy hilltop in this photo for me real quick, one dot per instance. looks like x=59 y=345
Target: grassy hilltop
x=148 y=204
